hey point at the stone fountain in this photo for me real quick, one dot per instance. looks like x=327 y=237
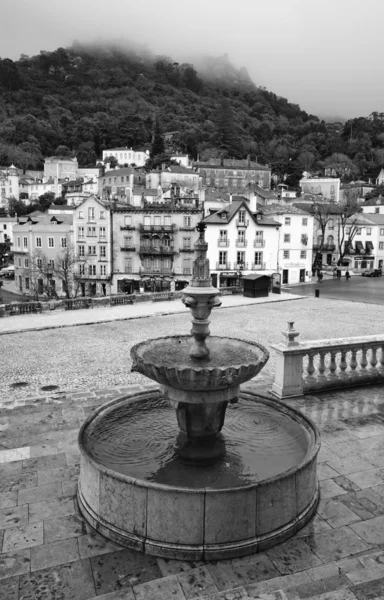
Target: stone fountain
x=181 y=488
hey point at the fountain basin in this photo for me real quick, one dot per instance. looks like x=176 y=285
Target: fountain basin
x=214 y=513
x=167 y=361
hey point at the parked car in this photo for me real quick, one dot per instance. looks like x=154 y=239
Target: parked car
x=372 y=273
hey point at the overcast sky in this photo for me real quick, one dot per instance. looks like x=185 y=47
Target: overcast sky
x=326 y=55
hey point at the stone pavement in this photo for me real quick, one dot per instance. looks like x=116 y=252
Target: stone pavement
x=90 y=316
x=48 y=553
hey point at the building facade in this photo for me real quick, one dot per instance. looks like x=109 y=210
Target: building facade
x=129 y=156
x=240 y=242
x=153 y=245
x=60 y=167
x=9 y=185
x=175 y=176
x=233 y=174
x=328 y=187
x=295 y=243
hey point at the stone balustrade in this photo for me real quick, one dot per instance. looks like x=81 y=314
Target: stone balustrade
x=317 y=365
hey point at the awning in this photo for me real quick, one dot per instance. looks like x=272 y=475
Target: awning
x=369 y=247
x=360 y=248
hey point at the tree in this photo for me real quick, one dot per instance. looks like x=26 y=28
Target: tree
x=322 y=214
x=112 y=160
x=65 y=268
x=158 y=141
x=17 y=208
x=63 y=151
x=227 y=136
x=306 y=159
x=348 y=216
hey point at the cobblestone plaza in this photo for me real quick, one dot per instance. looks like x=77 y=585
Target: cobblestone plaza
x=47 y=551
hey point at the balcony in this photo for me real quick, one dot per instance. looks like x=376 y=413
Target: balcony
x=240 y=243
x=157 y=250
x=156 y=270
x=223 y=266
x=187 y=228
x=127 y=227
x=187 y=271
x=324 y=247
x=240 y=266
x=158 y=228
x=186 y=249
x=258 y=266
x=258 y=243
x=222 y=243
x=128 y=248
x=242 y=223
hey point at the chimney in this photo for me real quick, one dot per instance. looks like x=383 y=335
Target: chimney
x=230 y=197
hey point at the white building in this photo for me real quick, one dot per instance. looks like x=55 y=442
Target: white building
x=60 y=167
x=129 y=156
x=6 y=229
x=9 y=185
x=182 y=159
x=329 y=187
x=240 y=242
x=174 y=176
x=295 y=242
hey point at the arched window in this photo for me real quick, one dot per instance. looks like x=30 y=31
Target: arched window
x=166 y=241
x=156 y=241
x=146 y=241
x=330 y=240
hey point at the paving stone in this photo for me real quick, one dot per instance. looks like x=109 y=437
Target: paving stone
x=337 y=543
x=43 y=450
x=17 y=482
x=294 y=555
x=351 y=502
x=45 y=462
x=329 y=488
x=63 y=528
x=71 y=581
x=349 y=464
x=25 y=536
x=49 y=509
x=371 y=531
x=9 y=589
x=40 y=493
x=169 y=566
x=371 y=500
x=11 y=468
x=239 y=593
x=366 y=568
x=69 y=488
x=344 y=594
x=13 y=516
x=160 y=589
x=286 y=583
x=8 y=499
x=324 y=471
x=14 y=454
x=126 y=568
x=94 y=544
x=125 y=593
x=57 y=475
x=15 y=563
x=369 y=478
x=56 y=553
x=196 y=582
x=231 y=574
x=372 y=590
x=336 y=513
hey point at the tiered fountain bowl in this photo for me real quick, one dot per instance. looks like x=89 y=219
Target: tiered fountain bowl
x=221 y=480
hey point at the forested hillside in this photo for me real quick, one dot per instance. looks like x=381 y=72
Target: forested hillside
x=85 y=98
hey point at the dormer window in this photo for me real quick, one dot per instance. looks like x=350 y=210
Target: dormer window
x=241 y=216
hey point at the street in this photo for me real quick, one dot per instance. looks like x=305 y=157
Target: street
x=357 y=289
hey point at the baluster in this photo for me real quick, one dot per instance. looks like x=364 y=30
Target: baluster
x=353 y=361
x=332 y=364
x=373 y=359
x=343 y=362
x=363 y=358
x=322 y=367
x=382 y=357
x=310 y=366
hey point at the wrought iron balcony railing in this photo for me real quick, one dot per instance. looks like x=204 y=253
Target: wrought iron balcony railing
x=258 y=243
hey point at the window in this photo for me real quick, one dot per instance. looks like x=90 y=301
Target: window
x=223 y=235
x=304 y=221
x=358 y=231
x=377 y=210
x=287 y=220
x=91 y=231
x=241 y=216
x=102 y=232
x=80 y=214
x=80 y=232
x=286 y=254
x=187 y=221
x=51 y=242
x=39 y=263
x=167 y=220
x=157 y=221
x=92 y=250
x=91 y=213
x=82 y=269
x=63 y=242
x=331 y=224
x=369 y=230
x=187 y=242
x=25 y=242
x=222 y=258
x=303 y=254
x=27 y=283
x=240 y=259
x=26 y=263
x=38 y=242
x=102 y=214
x=103 y=269
x=92 y=269
x=103 y=252
x=287 y=238
x=381 y=245
x=18 y=242
x=51 y=264
x=381 y=231
x=187 y=266
x=19 y=261
x=258 y=258
x=81 y=251
x=304 y=239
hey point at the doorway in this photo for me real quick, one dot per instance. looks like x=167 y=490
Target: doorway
x=302 y=275
x=285 y=276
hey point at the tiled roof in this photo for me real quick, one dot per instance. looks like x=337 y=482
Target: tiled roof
x=374 y=218
x=280 y=209
x=264 y=193
x=180 y=169
x=231 y=210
